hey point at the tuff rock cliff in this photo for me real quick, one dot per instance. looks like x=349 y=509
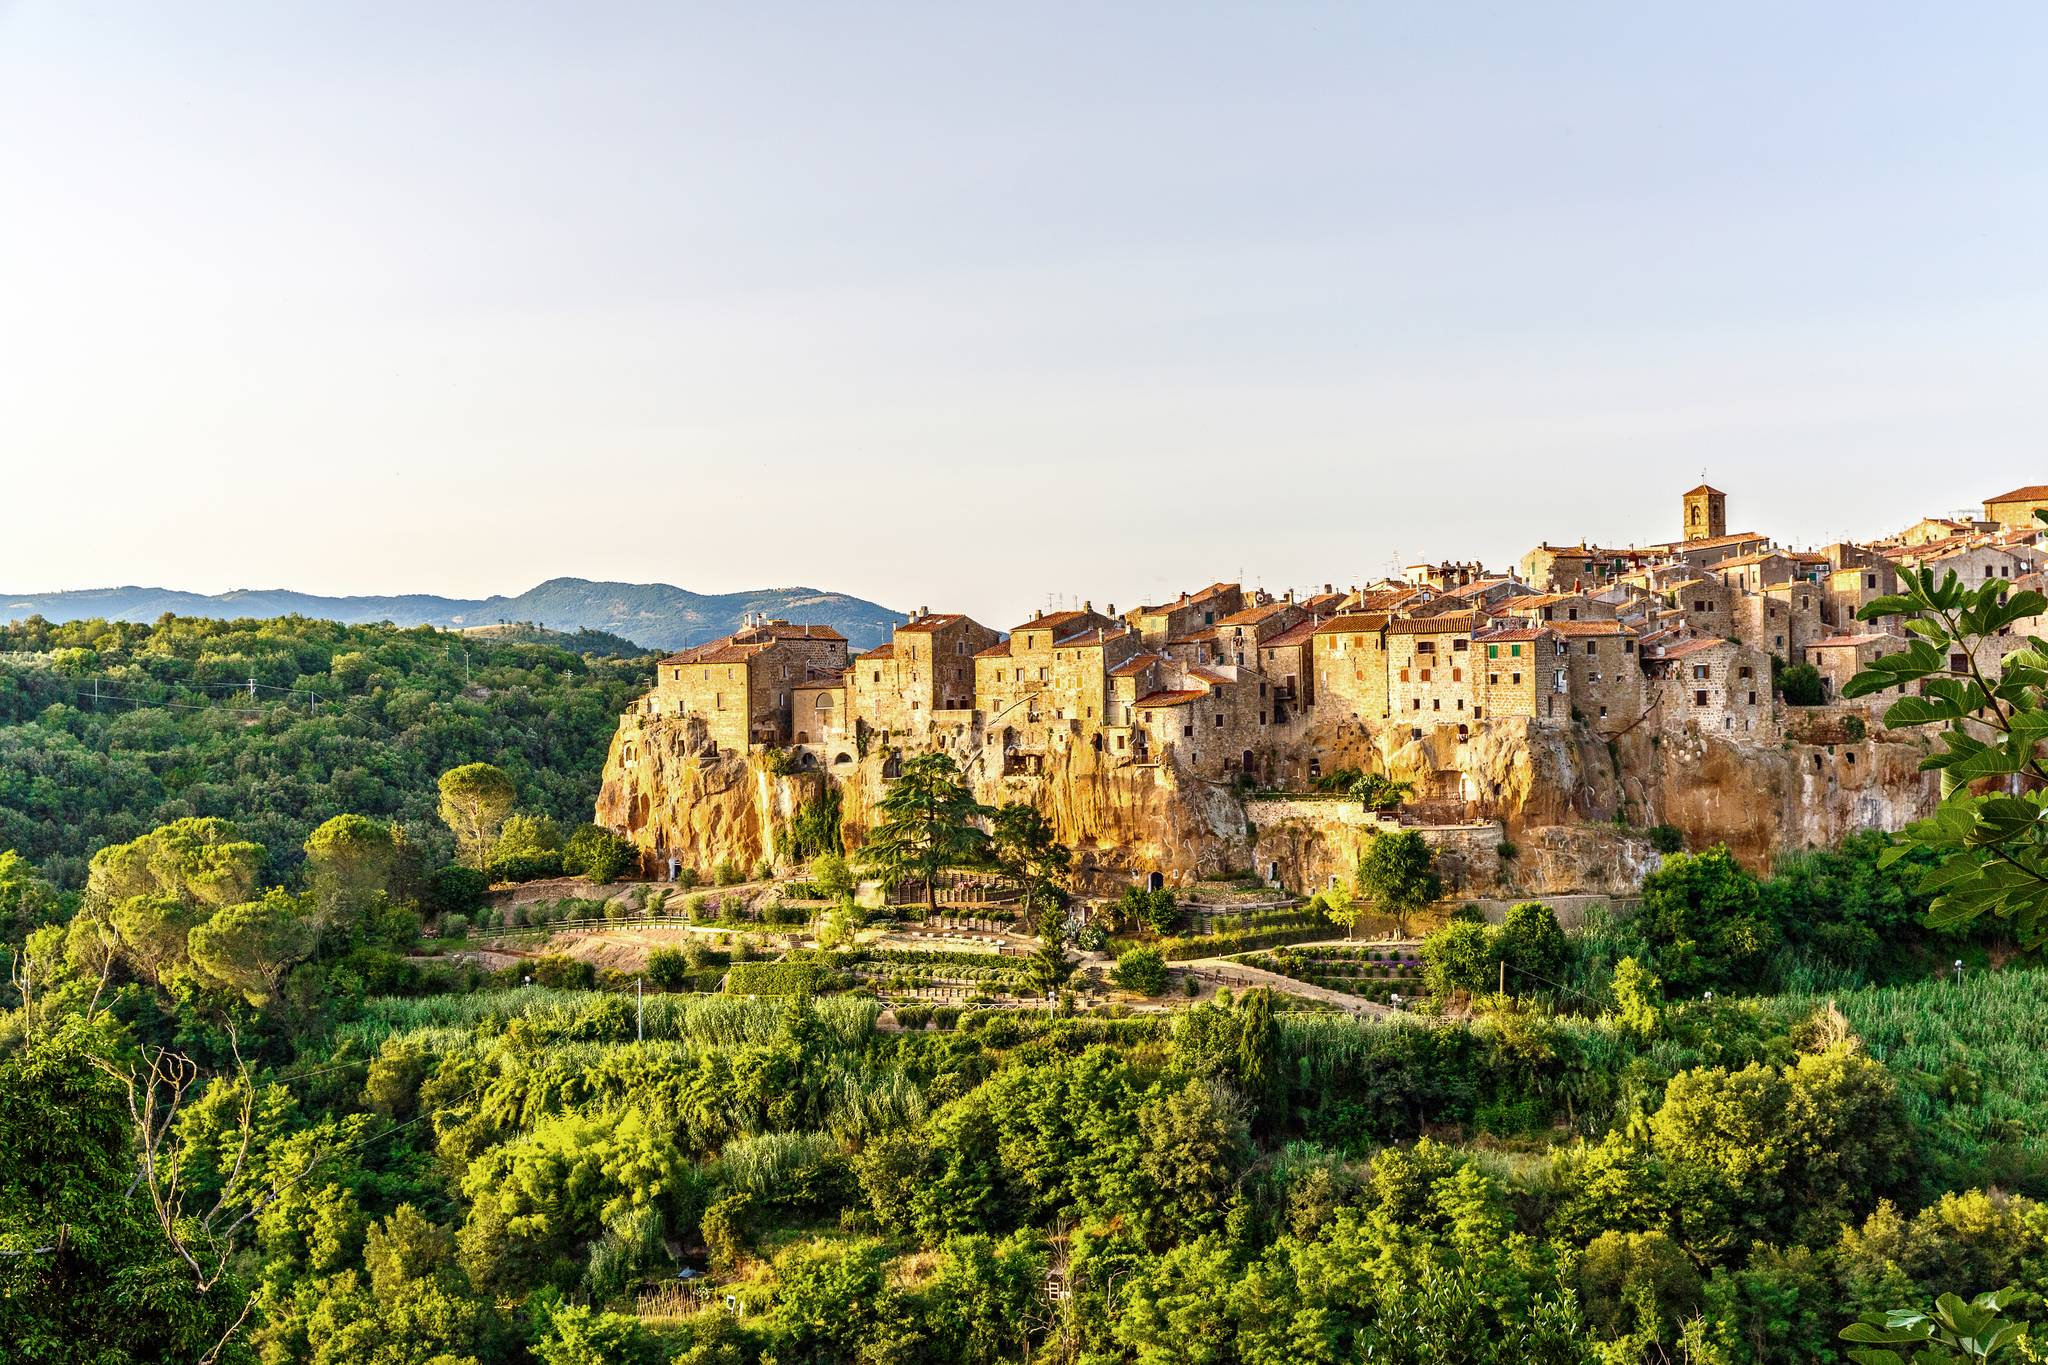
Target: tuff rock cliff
x=1566 y=807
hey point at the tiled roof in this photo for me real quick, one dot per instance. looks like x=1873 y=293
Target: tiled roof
x=1300 y=633
x=1513 y=633
x=744 y=644
x=1211 y=676
x=1092 y=633
x=1450 y=623
x=1061 y=620
x=1354 y=622
x=1589 y=628
x=1744 y=561
x=1192 y=598
x=1253 y=615
x=999 y=650
x=1703 y=488
x=1679 y=651
x=1194 y=637
x=1542 y=599
x=932 y=621
x=1714 y=542
x=1137 y=663
x=2033 y=492
x=885 y=650
x=1168 y=699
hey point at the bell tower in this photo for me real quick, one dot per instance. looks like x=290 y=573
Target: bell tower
x=1706 y=513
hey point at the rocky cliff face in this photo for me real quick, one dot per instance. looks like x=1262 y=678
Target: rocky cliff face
x=1570 y=804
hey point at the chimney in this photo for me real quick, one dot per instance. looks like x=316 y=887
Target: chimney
x=1326 y=589
x=1087 y=605
x=1112 y=610
x=1037 y=612
x=923 y=612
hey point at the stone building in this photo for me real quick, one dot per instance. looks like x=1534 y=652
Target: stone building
x=1288 y=660
x=1520 y=671
x=1238 y=635
x=2016 y=509
x=743 y=686
x=1713 y=685
x=1604 y=674
x=923 y=676
x=1428 y=658
x=1705 y=513
x=1841 y=657
x=1191 y=612
x=1704 y=604
x=1560 y=606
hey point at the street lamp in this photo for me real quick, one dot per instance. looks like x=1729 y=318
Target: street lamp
x=1959 y=970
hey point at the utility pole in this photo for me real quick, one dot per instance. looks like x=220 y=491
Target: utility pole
x=1503 y=976
x=639 y=1014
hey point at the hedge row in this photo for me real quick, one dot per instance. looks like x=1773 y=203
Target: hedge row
x=772 y=978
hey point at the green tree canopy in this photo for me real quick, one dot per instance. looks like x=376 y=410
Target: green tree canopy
x=476 y=799
x=1398 y=872
x=927 y=823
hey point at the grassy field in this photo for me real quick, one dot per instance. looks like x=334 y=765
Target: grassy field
x=1972 y=1061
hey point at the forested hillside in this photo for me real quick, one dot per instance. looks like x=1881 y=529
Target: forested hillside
x=108 y=729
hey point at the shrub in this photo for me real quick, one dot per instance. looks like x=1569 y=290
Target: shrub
x=455 y=891
x=454 y=925
x=1142 y=970
x=617 y=910
x=945 y=1016
x=1666 y=838
x=686 y=877
x=913 y=1016
x=525 y=866
x=771 y=978
x=694 y=906
x=668 y=968
x=562 y=972
x=1800 y=685
x=597 y=853
x=726 y=873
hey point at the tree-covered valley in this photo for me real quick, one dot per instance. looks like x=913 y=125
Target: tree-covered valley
x=278 y=1082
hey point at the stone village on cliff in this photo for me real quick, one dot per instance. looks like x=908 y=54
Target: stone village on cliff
x=1545 y=715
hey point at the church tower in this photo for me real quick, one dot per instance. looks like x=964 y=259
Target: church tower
x=1706 y=513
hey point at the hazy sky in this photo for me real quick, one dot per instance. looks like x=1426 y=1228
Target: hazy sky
x=963 y=304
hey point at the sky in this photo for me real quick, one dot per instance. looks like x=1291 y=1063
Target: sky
x=980 y=307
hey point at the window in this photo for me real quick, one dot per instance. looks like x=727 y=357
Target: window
x=1416 y=704
x=1457 y=645
x=1603 y=713
x=1188 y=731
x=1699 y=699
x=1219 y=720
x=1262 y=717
x=1591 y=648
x=1493 y=680
x=1514 y=651
x=1493 y=651
x=1752 y=699
x=1870 y=580
x=1742 y=672
x=1699 y=672
x=1515 y=678
x=1425 y=675
x=1572 y=614
x=1436 y=704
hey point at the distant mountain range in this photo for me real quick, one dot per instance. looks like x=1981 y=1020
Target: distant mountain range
x=656 y=615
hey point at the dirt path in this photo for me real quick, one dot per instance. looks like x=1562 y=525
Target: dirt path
x=1238 y=974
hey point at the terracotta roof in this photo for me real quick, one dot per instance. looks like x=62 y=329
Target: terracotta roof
x=1202 y=596
x=1252 y=615
x=1194 y=637
x=1589 y=627
x=1450 y=623
x=1542 y=599
x=1354 y=622
x=999 y=650
x=1703 y=488
x=885 y=650
x=1137 y=663
x=1679 y=651
x=2033 y=492
x=1069 y=620
x=1513 y=633
x=1168 y=699
x=1092 y=633
x=1300 y=633
x=932 y=621
x=1211 y=676
x=1713 y=542
x=744 y=644
x=1743 y=561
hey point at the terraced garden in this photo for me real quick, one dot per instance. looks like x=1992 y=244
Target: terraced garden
x=1373 y=973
